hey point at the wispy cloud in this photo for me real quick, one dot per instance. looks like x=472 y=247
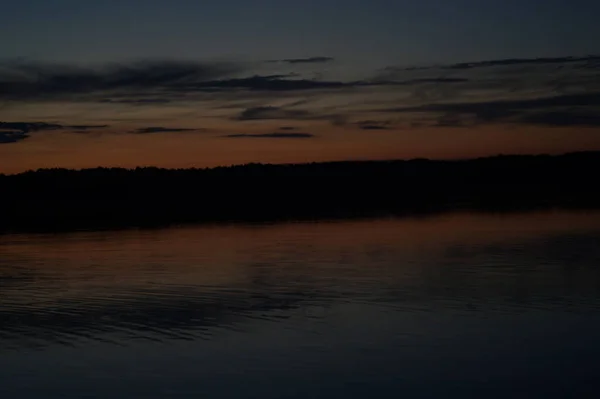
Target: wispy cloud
x=268 y=83
x=278 y=135
x=309 y=60
x=86 y=127
x=373 y=125
x=595 y=59
x=160 y=129
x=564 y=110
x=28 y=127
x=26 y=80
x=411 y=82
x=159 y=82
x=589 y=60
x=137 y=101
x=589 y=118
x=261 y=113
x=13 y=132
x=12 y=137
x=267 y=112
x=559 y=91
x=143 y=83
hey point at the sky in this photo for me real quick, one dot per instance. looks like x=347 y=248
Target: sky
x=185 y=83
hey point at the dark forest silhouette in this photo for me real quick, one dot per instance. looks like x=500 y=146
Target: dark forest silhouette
x=62 y=199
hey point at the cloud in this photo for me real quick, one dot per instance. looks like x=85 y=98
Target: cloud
x=523 y=61
x=563 y=110
x=27 y=127
x=138 y=101
x=268 y=83
x=275 y=84
x=373 y=125
x=86 y=127
x=462 y=94
x=159 y=129
x=138 y=82
x=24 y=80
x=161 y=82
x=586 y=61
x=261 y=113
x=12 y=132
x=309 y=60
x=498 y=78
x=277 y=135
x=489 y=109
x=40 y=126
x=12 y=137
x=438 y=80
x=454 y=120
x=428 y=80
x=274 y=113
x=563 y=118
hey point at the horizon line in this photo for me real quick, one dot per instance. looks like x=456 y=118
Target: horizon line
x=499 y=155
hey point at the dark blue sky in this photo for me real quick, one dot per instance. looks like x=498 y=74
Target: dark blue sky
x=370 y=32
x=181 y=83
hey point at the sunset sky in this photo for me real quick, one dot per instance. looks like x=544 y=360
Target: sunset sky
x=184 y=83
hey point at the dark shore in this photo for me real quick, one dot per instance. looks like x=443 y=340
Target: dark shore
x=60 y=199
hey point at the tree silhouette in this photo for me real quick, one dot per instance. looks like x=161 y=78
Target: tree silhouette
x=56 y=199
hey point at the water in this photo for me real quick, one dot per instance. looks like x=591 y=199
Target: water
x=458 y=305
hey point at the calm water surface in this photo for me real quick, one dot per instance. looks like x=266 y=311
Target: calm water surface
x=452 y=306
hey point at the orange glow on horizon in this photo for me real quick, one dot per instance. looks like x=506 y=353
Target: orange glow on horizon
x=204 y=149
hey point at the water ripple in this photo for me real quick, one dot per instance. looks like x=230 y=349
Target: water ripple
x=122 y=288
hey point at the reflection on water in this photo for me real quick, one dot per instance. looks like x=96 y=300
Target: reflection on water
x=451 y=306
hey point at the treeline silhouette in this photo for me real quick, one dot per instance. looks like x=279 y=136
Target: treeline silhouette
x=59 y=199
